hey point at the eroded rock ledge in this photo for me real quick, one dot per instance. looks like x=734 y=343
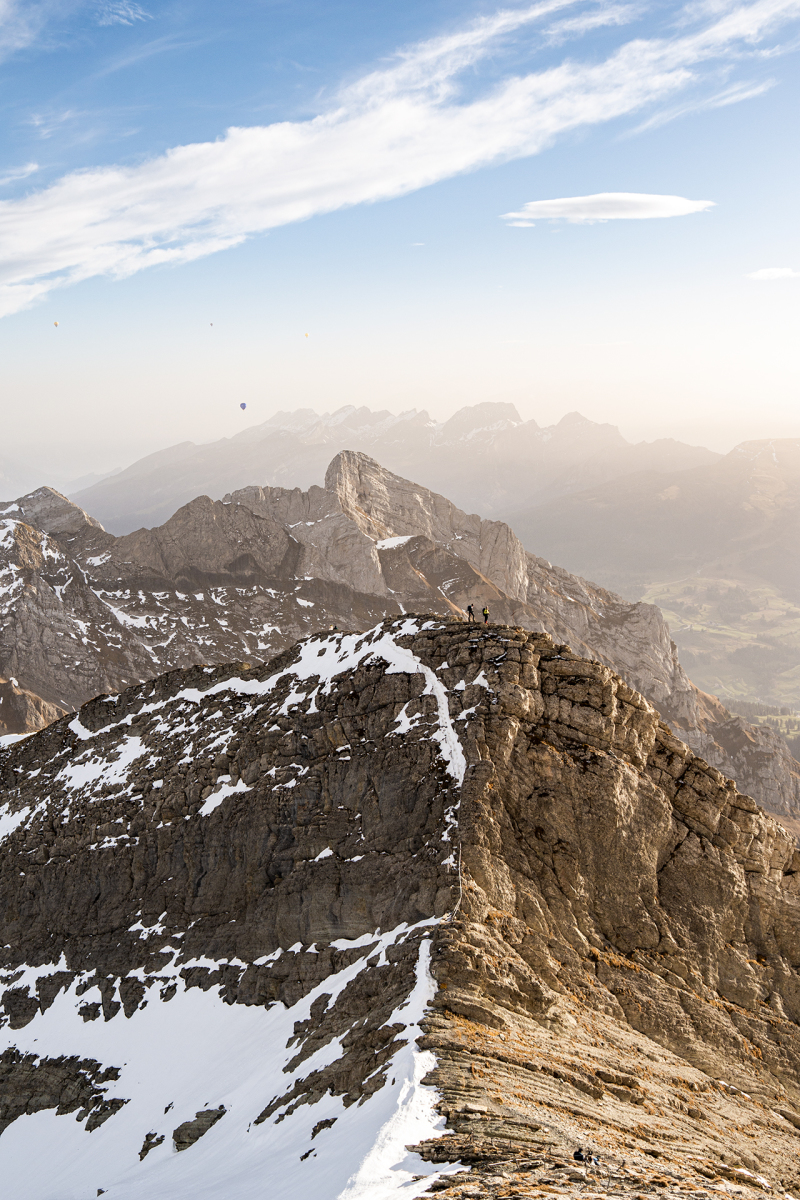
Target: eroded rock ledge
x=614 y=963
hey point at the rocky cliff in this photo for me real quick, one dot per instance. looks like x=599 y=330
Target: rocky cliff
x=85 y=612
x=426 y=886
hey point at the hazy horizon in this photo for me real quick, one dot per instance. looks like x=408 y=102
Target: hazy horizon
x=560 y=205
x=57 y=463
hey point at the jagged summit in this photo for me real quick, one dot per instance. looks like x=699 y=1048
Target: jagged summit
x=237 y=943
x=85 y=612
x=47 y=510
x=479 y=421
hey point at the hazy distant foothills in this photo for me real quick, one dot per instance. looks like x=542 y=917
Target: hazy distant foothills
x=715 y=546
x=709 y=538
x=485 y=458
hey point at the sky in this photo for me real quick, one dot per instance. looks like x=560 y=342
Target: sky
x=566 y=205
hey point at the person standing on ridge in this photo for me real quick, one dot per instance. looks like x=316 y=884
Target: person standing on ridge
x=485 y=615
x=470 y=613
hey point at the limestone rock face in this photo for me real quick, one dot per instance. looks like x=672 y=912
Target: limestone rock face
x=432 y=884
x=48 y=510
x=85 y=612
x=22 y=711
x=384 y=506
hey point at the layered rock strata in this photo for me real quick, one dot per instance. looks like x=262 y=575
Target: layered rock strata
x=85 y=612
x=433 y=886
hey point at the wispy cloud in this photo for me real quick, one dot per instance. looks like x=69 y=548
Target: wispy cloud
x=736 y=93
x=168 y=44
x=25 y=23
x=767 y=274
x=46 y=124
x=17 y=173
x=611 y=14
x=22 y=22
x=121 y=12
x=605 y=206
x=396 y=129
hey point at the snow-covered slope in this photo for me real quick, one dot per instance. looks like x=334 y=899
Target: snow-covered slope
x=197 y=1055
x=399 y=901
x=138 y=1031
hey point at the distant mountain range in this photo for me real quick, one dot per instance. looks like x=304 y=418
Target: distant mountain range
x=485 y=458
x=717 y=546
x=85 y=612
x=712 y=539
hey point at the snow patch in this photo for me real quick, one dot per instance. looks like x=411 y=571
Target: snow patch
x=86 y=770
x=216 y=798
x=8 y=739
x=9 y=822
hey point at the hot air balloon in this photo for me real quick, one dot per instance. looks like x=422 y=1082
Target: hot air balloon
x=56 y=324
x=306 y=335
x=242 y=406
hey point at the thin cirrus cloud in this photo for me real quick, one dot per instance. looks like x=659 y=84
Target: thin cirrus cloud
x=606 y=206
x=396 y=129
x=17 y=173
x=612 y=14
x=26 y=22
x=21 y=23
x=734 y=94
x=121 y=12
x=767 y=274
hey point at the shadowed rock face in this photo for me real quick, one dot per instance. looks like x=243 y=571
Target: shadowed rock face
x=244 y=577
x=274 y=852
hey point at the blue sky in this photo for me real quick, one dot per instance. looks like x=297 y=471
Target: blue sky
x=347 y=169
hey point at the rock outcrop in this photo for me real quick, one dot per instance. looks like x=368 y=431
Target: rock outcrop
x=21 y=710
x=85 y=612
x=431 y=886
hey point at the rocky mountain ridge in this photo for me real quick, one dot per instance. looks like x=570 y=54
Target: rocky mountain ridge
x=418 y=908
x=484 y=457
x=84 y=612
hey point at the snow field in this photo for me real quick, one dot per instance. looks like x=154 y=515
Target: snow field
x=196 y=1052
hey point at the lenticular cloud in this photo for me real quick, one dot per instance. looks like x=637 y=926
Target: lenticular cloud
x=767 y=274
x=606 y=206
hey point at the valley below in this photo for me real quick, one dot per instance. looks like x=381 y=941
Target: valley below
x=740 y=642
